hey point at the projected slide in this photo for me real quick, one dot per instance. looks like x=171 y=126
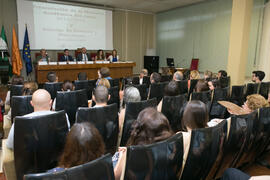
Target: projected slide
x=55 y=26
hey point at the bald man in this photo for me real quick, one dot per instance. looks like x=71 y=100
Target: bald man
x=178 y=76
x=41 y=102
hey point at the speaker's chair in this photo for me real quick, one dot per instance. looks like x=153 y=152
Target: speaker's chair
x=105 y=120
x=38 y=142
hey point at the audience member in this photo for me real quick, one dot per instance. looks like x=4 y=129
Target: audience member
x=52 y=77
x=83 y=56
x=151 y=126
x=258 y=76
x=201 y=86
x=43 y=57
x=29 y=88
x=178 y=76
x=253 y=102
x=41 y=102
x=194 y=74
x=104 y=82
x=83 y=144
x=103 y=73
x=66 y=57
x=155 y=77
x=144 y=72
x=130 y=94
x=100 y=55
x=208 y=75
x=114 y=57
x=170 y=89
x=195 y=115
x=213 y=84
x=100 y=96
x=222 y=74
x=82 y=76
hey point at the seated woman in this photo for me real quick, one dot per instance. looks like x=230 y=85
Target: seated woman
x=83 y=144
x=253 y=102
x=208 y=75
x=100 y=55
x=114 y=57
x=151 y=126
x=170 y=89
x=201 y=86
x=103 y=73
x=130 y=94
x=194 y=74
x=213 y=84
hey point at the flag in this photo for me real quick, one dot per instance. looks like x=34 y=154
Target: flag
x=16 y=57
x=27 y=53
x=4 y=46
x=3 y=40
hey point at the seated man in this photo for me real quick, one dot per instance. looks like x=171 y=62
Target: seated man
x=155 y=78
x=144 y=72
x=257 y=76
x=100 y=97
x=51 y=77
x=41 y=102
x=178 y=76
x=83 y=56
x=66 y=57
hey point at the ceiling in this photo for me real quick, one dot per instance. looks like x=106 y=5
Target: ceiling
x=149 y=6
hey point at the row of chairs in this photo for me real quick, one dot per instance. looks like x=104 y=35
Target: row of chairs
x=232 y=143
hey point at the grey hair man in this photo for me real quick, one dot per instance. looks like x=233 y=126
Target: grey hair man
x=178 y=76
x=101 y=96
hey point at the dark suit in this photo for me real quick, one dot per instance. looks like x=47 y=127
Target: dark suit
x=80 y=57
x=63 y=59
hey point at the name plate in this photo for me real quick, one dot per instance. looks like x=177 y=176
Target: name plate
x=106 y=62
x=71 y=62
x=99 y=62
x=89 y=62
x=81 y=62
x=42 y=63
x=62 y=63
x=52 y=63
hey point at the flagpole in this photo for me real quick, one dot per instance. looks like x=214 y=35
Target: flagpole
x=3 y=55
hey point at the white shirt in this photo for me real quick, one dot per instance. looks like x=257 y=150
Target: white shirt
x=141 y=81
x=84 y=57
x=111 y=58
x=10 y=139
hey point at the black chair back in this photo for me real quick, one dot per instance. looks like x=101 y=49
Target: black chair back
x=193 y=83
x=100 y=168
x=52 y=88
x=237 y=141
x=156 y=90
x=217 y=110
x=252 y=88
x=158 y=161
x=70 y=101
x=114 y=82
x=114 y=93
x=146 y=80
x=135 y=80
x=20 y=105
x=204 y=96
x=132 y=111
x=143 y=90
x=238 y=95
x=225 y=81
x=105 y=120
x=183 y=86
x=87 y=85
x=264 y=89
x=205 y=149
x=38 y=142
x=16 y=90
x=166 y=78
x=171 y=108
